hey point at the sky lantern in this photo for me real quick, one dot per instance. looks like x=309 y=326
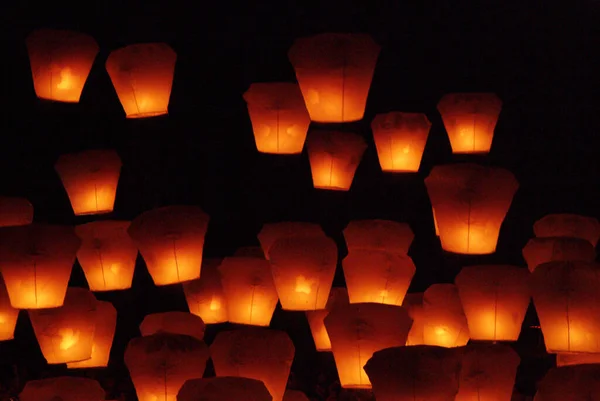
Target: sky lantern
x=62 y=389
x=334 y=157
x=60 y=63
x=226 y=388
x=142 y=75
x=470 y=120
x=279 y=117
x=557 y=249
x=378 y=235
x=470 y=202
x=36 y=262
x=249 y=290
x=66 y=334
x=205 y=296
x=8 y=314
x=271 y=232
x=107 y=254
x=570 y=383
x=15 y=211
x=257 y=353
x=400 y=139
x=173 y=322
x=568 y=225
x=445 y=324
x=357 y=331
x=337 y=296
x=294 y=395
x=171 y=240
x=495 y=300
x=413 y=303
x=569 y=359
x=303 y=268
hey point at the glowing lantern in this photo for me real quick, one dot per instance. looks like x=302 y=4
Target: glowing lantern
x=205 y=296
x=15 y=211
x=334 y=157
x=142 y=75
x=357 y=331
x=271 y=232
x=413 y=303
x=8 y=314
x=495 y=300
x=171 y=240
x=568 y=225
x=294 y=395
x=549 y=249
x=161 y=363
x=62 y=389
x=36 y=262
x=173 y=322
x=335 y=72
x=337 y=297
x=250 y=251
x=570 y=383
x=470 y=119
x=107 y=254
x=256 y=353
x=224 y=389
x=66 y=334
x=470 y=203
x=378 y=235
x=570 y=359
x=445 y=324
x=249 y=290
x=106 y=323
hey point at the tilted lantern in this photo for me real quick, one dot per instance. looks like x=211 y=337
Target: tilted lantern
x=470 y=203
x=205 y=296
x=62 y=389
x=142 y=75
x=271 y=232
x=570 y=383
x=445 y=324
x=557 y=249
x=8 y=314
x=413 y=303
x=378 y=235
x=228 y=388
x=569 y=359
x=294 y=395
x=15 y=211
x=60 y=63
x=337 y=297
x=173 y=322
x=568 y=225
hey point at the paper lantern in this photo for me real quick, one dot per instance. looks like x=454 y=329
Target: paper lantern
x=570 y=383
x=15 y=211
x=571 y=359
x=60 y=63
x=224 y=389
x=142 y=75
x=256 y=353
x=495 y=300
x=337 y=297
x=8 y=314
x=334 y=157
x=294 y=395
x=173 y=322
x=249 y=290
x=557 y=249
x=303 y=269
x=335 y=72
x=377 y=276
x=161 y=363
x=62 y=389
x=357 y=331
x=445 y=324
x=106 y=323
x=565 y=295
x=271 y=232
x=378 y=235
x=205 y=296
x=568 y=225
x=66 y=334
x=171 y=240
x=470 y=203
x=36 y=262
x=107 y=254
x=250 y=251
x=470 y=120
x=400 y=139
x=488 y=373
x=279 y=117
x=413 y=303
x=90 y=179
x=421 y=373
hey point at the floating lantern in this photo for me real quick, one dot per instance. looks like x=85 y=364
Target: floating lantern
x=271 y=232
x=581 y=382
x=413 y=303
x=62 y=389
x=173 y=322
x=294 y=395
x=224 y=389
x=8 y=314
x=205 y=296
x=568 y=225
x=445 y=324
x=142 y=75
x=557 y=249
x=378 y=235
x=470 y=203
x=337 y=297
x=15 y=211
x=571 y=359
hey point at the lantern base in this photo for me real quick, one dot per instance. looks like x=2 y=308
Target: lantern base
x=147 y=115
x=95 y=212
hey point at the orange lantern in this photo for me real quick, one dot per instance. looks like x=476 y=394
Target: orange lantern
x=8 y=314
x=90 y=179
x=570 y=383
x=445 y=324
x=271 y=232
x=142 y=75
x=205 y=296
x=173 y=322
x=334 y=157
x=470 y=203
x=337 y=297
x=294 y=395
x=249 y=290
x=66 y=333
x=495 y=300
x=106 y=323
x=62 y=389
x=335 y=72
x=224 y=389
x=357 y=331
x=171 y=240
x=256 y=353
x=107 y=254
x=568 y=225
x=413 y=303
x=36 y=262
x=378 y=235
x=551 y=249
x=400 y=139
x=250 y=251
x=60 y=63
x=470 y=120
x=15 y=211
x=571 y=359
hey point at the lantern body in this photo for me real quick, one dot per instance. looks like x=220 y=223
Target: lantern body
x=337 y=296
x=107 y=254
x=205 y=296
x=60 y=63
x=400 y=139
x=570 y=383
x=142 y=75
x=470 y=120
x=173 y=322
x=357 y=331
x=15 y=211
x=62 y=388
x=36 y=262
x=570 y=359
x=557 y=249
x=271 y=232
x=445 y=324
x=495 y=300
x=334 y=157
x=66 y=334
x=568 y=225
x=470 y=203
x=413 y=303
x=224 y=389
x=249 y=290
x=378 y=235
x=256 y=353
x=279 y=117
x=171 y=240
x=294 y=395
x=8 y=314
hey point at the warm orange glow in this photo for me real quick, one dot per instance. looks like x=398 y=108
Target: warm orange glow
x=470 y=203
x=378 y=235
x=205 y=296
x=8 y=314
x=15 y=211
x=413 y=303
x=173 y=322
x=569 y=383
x=60 y=63
x=551 y=249
x=445 y=324
x=142 y=75
x=568 y=225
x=62 y=388
x=577 y=359
x=225 y=389
x=470 y=120
x=337 y=297
x=271 y=232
